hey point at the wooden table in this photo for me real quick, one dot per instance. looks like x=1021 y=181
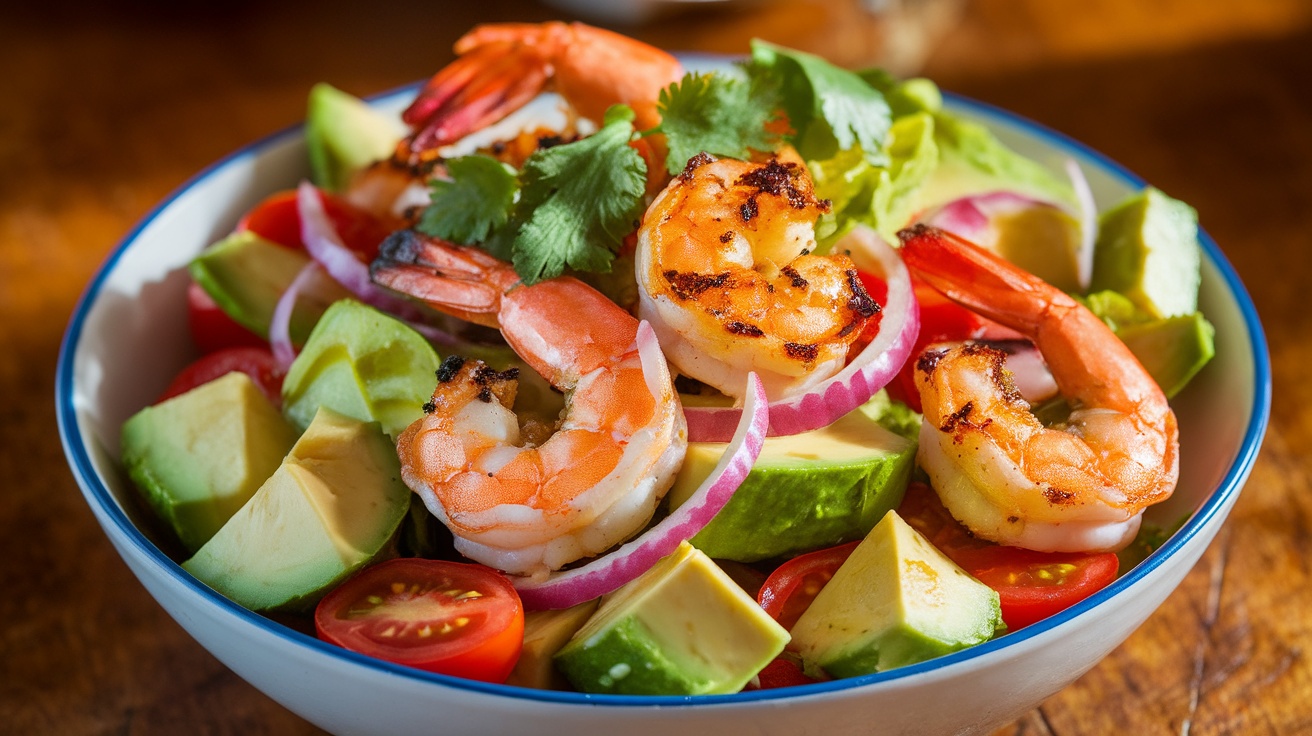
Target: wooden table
x=105 y=109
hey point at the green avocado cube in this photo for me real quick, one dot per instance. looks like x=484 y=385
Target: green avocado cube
x=331 y=507
x=897 y=600
x=363 y=363
x=1147 y=249
x=344 y=135
x=246 y=275
x=806 y=491
x=198 y=457
x=681 y=628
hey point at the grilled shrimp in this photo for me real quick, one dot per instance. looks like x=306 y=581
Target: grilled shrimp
x=1081 y=486
x=525 y=499
x=728 y=280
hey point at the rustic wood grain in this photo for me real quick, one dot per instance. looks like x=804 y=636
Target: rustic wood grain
x=106 y=108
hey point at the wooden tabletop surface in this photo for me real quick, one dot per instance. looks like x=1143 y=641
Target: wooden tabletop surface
x=105 y=109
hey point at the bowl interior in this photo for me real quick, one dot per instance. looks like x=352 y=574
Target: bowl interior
x=128 y=337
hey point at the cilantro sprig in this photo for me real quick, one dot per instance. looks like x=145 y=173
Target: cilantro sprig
x=570 y=207
x=722 y=114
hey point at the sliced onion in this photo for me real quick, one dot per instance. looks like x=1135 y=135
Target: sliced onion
x=853 y=386
x=280 y=340
x=1088 y=222
x=325 y=246
x=606 y=574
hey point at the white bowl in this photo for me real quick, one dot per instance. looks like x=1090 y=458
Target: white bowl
x=128 y=337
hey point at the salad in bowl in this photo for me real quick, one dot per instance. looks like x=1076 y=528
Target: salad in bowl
x=588 y=374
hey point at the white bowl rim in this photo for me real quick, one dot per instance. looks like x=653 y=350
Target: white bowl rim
x=100 y=497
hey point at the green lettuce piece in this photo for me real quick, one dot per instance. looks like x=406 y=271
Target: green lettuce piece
x=882 y=197
x=972 y=160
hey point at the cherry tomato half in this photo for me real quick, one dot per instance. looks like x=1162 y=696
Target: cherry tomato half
x=453 y=618
x=211 y=327
x=1031 y=585
x=278 y=219
x=1034 y=585
x=258 y=363
x=782 y=671
x=790 y=589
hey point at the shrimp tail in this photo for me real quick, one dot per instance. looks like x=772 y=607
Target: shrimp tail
x=459 y=280
x=979 y=280
x=482 y=86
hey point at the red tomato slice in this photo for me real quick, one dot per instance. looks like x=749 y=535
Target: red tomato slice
x=1031 y=585
x=793 y=585
x=1034 y=585
x=453 y=618
x=941 y=320
x=781 y=672
x=258 y=363
x=211 y=327
x=277 y=219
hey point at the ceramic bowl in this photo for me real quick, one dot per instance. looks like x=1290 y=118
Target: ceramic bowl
x=128 y=336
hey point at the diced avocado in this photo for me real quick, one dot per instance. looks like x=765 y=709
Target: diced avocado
x=246 y=274
x=1173 y=349
x=681 y=628
x=199 y=456
x=344 y=135
x=545 y=632
x=897 y=600
x=1045 y=241
x=1147 y=249
x=329 y=509
x=363 y=363
x=809 y=490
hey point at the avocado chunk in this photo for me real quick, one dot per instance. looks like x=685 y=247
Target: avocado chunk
x=810 y=490
x=344 y=135
x=896 y=601
x=363 y=363
x=246 y=274
x=331 y=507
x=1173 y=349
x=1147 y=249
x=681 y=628
x=199 y=456
x=545 y=632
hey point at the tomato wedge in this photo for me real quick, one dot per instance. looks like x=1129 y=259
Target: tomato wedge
x=1034 y=585
x=256 y=362
x=1031 y=585
x=793 y=585
x=278 y=219
x=211 y=327
x=782 y=671
x=453 y=618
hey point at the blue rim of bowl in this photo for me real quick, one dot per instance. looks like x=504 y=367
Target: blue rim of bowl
x=99 y=495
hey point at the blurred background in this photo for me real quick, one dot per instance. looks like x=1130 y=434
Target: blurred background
x=107 y=107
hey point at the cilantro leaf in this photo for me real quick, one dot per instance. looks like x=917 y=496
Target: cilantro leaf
x=718 y=113
x=474 y=202
x=831 y=108
x=578 y=201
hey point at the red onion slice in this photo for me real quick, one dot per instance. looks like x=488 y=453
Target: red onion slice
x=853 y=386
x=325 y=246
x=280 y=340
x=605 y=574
x=1088 y=222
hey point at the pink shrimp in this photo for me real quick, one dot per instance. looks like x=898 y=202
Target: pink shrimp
x=1081 y=486
x=502 y=66
x=519 y=498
